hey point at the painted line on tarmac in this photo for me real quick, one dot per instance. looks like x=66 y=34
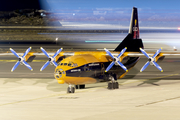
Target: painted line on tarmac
x=150 y=79
x=90 y=90
x=158 y=101
x=17 y=60
x=132 y=81
x=49 y=96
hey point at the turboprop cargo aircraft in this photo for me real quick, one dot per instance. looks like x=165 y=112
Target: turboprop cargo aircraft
x=84 y=67
x=89 y=67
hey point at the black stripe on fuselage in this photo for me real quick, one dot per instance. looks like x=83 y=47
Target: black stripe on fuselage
x=97 y=70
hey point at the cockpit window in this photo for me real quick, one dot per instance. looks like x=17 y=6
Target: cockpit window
x=70 y=64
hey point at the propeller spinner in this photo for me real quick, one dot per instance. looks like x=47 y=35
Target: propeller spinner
x=51 y=59
x=21 y=59
x=151 y=60
x=116 y=60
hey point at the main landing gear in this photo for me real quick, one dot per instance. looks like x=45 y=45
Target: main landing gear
x=70 y=89
x=112 y=84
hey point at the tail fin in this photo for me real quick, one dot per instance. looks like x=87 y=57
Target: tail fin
x=132 y=41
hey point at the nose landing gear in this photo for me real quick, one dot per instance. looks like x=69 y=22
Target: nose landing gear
x=70 y=89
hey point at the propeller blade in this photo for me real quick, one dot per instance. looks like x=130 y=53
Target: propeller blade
x=158 y=51
x=144 y=53
x=122 y=52
x=14 y=52
x=15 y=66
x=45 y=65
x=122 y=66
x=107 y=51
x=158 y=67
x=27 y=65
x=27 y=51
x=145 y=66
x=110 y=66
x=57 y=52
x=55 y=64
x=44 y=52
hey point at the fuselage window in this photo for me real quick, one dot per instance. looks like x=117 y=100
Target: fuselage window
x=61 y=64
x=65 y=63
x=69 y=64
x=75 y=65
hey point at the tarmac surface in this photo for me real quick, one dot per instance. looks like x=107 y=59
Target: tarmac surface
x=46 y=99
x=141 y=96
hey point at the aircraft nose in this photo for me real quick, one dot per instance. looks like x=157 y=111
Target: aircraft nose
x=60 y=74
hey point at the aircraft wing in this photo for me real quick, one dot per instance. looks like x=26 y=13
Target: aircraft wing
x=54 y=56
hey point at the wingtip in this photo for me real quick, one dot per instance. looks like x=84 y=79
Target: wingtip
x=61 y=48
x=161 y=70
x=31 y=69
x=104 y=48
x=126 y=70
x=126 y=47
x=140 y=71
x=105 y=71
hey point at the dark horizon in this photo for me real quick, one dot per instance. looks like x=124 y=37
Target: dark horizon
x=11 y=5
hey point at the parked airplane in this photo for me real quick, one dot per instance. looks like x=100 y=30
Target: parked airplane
x=86 y=67
x=89 y=67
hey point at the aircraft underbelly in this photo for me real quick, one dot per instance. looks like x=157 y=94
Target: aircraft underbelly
x=79 y=80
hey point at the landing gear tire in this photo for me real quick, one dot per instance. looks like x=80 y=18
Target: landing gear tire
x=116 y=85
x=70 y=90
x=110 y=85
x=113 y=85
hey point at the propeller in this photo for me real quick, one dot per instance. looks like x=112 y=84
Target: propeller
x=21 y=59
x=116 y=60
x=151 y=60
x=51 y=59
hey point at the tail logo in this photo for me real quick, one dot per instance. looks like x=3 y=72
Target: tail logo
x=135 y=24
x=136 y=30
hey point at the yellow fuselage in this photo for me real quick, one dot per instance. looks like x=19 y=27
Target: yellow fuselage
x=85 y=67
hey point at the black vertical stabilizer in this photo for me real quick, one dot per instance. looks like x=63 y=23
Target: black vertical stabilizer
x=132 y=41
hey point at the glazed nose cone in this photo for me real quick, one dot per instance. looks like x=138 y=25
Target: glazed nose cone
x=60 y=74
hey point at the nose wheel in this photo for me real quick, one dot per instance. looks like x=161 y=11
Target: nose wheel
x=70 y=89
